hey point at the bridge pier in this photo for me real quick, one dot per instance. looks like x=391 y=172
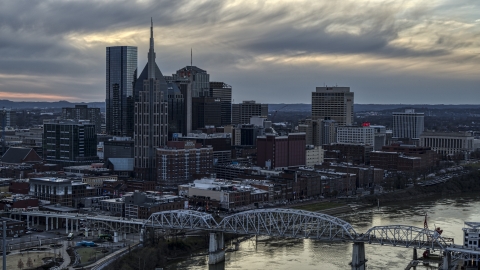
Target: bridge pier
x=358 y=256
x=447 y=261
x=115 y=237
x=216 y=250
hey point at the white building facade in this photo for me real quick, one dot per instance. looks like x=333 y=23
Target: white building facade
x=349 y=134
x=408 y=124
x=448 y=143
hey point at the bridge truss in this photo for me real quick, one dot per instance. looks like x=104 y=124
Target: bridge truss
x=288 y=223
x=407 y=236
x=181 y=219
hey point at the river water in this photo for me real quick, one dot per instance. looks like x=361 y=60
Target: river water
x=298 y=254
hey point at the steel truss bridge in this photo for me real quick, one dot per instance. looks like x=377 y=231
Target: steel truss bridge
x=292 y=223
x=287 y=223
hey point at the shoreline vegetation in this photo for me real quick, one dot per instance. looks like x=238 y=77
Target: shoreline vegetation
x=161 y=252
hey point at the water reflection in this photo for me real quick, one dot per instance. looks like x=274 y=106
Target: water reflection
x=274 y=253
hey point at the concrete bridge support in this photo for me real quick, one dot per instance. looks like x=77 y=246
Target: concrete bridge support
x=358 y=256
x=447 y=261
x=216 y=248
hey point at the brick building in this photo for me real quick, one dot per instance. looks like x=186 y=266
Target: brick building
x=400 y=157
x=348 y=152
x=281 y=151
x=180 y=161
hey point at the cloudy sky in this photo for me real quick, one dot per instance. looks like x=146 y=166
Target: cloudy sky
x=399 y=51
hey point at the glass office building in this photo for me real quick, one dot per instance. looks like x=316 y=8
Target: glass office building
x=121 y=65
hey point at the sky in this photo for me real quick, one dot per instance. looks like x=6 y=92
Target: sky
x=399 y=51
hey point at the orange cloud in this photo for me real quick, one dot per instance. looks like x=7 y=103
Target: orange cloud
x=33 y=97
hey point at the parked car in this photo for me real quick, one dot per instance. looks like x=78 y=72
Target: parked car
x=28 y=232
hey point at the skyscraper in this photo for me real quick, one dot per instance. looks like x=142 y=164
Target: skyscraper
x=223 y=91
x=121 y=65
x=334 y=103
x=176 y=111
x=151 y=110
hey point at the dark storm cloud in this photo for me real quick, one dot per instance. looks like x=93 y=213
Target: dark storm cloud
x=61 y=44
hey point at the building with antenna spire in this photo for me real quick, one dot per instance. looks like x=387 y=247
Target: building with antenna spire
x=150 y=117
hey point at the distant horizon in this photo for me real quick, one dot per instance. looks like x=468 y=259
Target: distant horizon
x=55 y=101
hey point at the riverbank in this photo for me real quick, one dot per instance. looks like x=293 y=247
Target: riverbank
x=465 y=183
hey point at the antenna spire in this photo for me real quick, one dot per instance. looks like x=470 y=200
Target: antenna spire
x=151 y=54
x=191 y=57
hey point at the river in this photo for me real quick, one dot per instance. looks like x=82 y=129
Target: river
x=299 y=254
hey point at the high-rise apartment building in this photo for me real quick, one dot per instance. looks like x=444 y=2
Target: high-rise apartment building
x=82 y=112
x=180 y=161
x=334 y=103
x=121 y=64
x=241 y=113
x=69 y=143
x=151 y=122
x=408 y=124
x=223 y=91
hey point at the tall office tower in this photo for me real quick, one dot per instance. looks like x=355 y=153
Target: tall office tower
x=241 y=113
x=151 y=122
x=408 y=124
x=223 y=91
x=333 y=102
x=197 y=77
x=176 y=111
x=82 y=112
x=121 y=74
x=206 y=112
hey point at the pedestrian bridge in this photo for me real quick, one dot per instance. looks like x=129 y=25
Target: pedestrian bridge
x=292 y=223
x=276 y=222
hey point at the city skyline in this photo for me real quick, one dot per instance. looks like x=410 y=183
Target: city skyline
x=415 y=52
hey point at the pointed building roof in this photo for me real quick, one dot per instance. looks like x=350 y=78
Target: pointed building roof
x=151 y=70
x=16 y=155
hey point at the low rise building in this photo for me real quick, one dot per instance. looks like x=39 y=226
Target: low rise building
x=449 y=143
x=213 y=193
x=115 y=207
x=97 y=181
x=14 y=227
x=143 y=204
x=314 y=155
x=18 y=201
x=65 y=192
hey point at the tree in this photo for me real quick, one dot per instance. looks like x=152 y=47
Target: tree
x=29 y=263
x=20 y=264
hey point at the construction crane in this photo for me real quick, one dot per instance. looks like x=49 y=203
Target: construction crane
x=275 y=113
